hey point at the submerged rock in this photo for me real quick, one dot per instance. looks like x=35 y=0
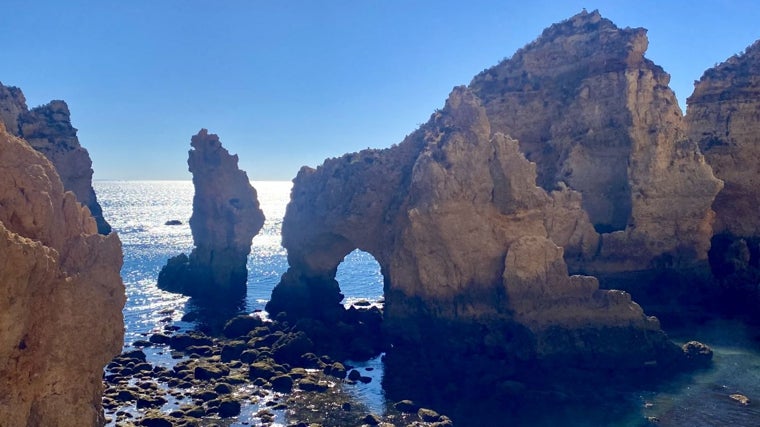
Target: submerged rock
x=593 y=113
x=226 y=217
x=48 y=129
x=61 y=297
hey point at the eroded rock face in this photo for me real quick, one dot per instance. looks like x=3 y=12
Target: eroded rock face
x=454 y=217
x=48 y=130
x=226 y=217
x=592 y=112
x=724 y=118
x=61 y=296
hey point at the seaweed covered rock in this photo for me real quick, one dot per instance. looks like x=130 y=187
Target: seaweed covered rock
x=466 y=242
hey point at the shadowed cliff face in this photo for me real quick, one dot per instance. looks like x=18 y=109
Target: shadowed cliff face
x=593 y=113
x=226 y=217
x=724 y=118
x=60 y=300
x=48 y=130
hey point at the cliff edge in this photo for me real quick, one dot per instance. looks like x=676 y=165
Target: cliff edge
x=61 y=300
x=596 y=115
x=48 y=129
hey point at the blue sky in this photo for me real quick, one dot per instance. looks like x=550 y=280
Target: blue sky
x=290 y=83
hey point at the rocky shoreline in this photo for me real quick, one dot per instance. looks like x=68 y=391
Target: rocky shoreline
x=268 y=369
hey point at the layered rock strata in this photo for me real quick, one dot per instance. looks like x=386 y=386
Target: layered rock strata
x=61 y=297
x=593 y=113
x=723 y=116
x=48 y=130
x=226 y=217
x=467 y=243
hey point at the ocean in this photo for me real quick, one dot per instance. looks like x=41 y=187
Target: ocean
x=138 y=211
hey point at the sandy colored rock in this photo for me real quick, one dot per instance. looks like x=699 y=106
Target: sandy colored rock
x=723 y=116
x=61 y=296
x=226 y=217
x=593 y=113
x=48 y=129
x=449 y=215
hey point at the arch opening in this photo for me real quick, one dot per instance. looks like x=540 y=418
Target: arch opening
x=360 y=278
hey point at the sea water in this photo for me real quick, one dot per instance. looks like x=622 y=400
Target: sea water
x=139 y=210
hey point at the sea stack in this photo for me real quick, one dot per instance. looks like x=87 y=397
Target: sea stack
x=61 y=297
x=48 y=129
x=226 y=216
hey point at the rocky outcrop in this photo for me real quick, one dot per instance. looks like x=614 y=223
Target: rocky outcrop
x=466 y=243
x=60 y=300
x=226 y=217
x=593 y=113
x=723 y=116
x=48 y=129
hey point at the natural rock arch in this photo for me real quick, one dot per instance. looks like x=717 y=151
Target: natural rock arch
x=444 y=225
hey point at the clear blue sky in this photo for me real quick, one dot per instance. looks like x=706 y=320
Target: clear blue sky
x=290 y=83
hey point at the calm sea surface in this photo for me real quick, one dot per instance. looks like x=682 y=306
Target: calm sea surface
x=137 y=210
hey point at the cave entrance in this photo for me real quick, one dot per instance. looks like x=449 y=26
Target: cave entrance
x=360 y=278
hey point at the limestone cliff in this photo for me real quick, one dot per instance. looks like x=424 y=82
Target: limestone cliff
x=593 y=113
x=226 y=217
x=451 y=215
x=60 y=300
x=723 y=116
x=48 y=129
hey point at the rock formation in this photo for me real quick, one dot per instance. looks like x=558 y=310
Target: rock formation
x=61 y=296
x=466 y=243
x=48 y=129
x=723 y=116
x=226 y=217
x=593 y=113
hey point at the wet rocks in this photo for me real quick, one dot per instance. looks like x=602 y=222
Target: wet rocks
x=212 y=386
x=241 y=325
x=226 y=217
